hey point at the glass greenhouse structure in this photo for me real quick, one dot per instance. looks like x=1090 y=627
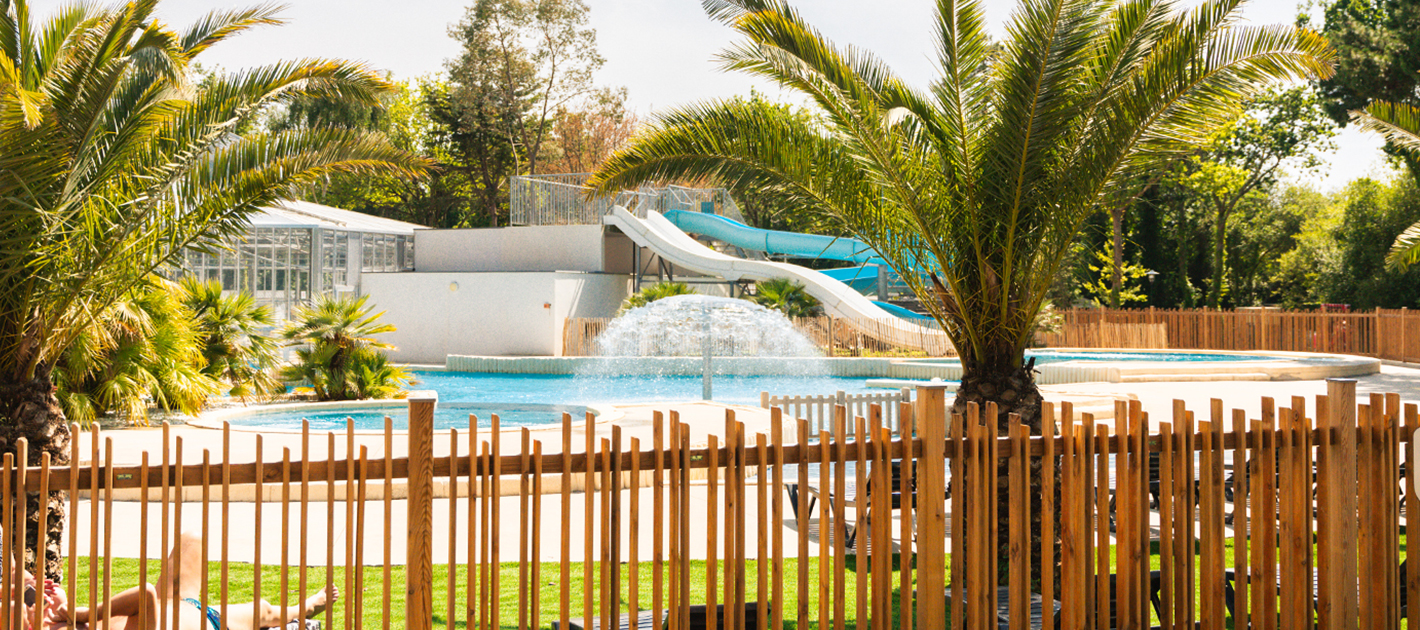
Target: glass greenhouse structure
x=297 y=250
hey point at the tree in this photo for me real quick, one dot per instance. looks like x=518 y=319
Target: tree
x=522 y=62
x=231 y=328
x=1400 y=124
x=338 y=353
x=144 y=350
x=115 y=159
x=1281 y=128
x=581 y=140
x=786 y=296
x=975 y=190
x=1377 y=46
x=658 y=291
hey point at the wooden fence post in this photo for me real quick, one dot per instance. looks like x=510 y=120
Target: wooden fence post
x=1337 y=597
x=419 y=587
x=931 y=420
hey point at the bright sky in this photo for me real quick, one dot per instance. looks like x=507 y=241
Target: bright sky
x=661 y=50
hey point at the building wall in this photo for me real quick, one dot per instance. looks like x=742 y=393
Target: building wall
x=487 y=314
x=539 y=248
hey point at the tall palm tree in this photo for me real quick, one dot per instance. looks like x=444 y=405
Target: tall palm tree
x=1400 y=124
x=116 y=155
x=974 y=188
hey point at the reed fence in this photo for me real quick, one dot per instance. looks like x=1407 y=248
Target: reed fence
x=732 y=538
x=1383 y=333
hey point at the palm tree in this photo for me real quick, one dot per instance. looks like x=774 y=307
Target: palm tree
x=1400 y=124
x=658 y=291
x=785 y=296
x=975 y=188
x=339 y=355
x=235 y=348
x=145 y=350
x=116 y=156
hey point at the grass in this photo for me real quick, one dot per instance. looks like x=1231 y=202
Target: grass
x=547 y=592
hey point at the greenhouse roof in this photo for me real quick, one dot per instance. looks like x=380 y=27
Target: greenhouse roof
x=304 y=214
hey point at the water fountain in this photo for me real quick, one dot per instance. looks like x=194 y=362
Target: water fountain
x=705 y=326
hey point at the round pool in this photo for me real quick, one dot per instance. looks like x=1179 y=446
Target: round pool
x=528 y=399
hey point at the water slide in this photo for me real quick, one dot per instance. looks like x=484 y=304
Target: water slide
x=863 y=277
x=671 y=243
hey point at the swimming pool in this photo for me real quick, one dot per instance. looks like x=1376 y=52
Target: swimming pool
x=539 y=399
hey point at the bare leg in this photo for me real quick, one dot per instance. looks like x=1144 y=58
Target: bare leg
x=185 y=573
x=240 y=616
x=133 y=609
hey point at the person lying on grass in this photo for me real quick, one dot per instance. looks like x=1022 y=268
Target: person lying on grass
x=141 y=607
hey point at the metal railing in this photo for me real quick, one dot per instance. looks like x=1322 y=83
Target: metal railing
x=565 y=199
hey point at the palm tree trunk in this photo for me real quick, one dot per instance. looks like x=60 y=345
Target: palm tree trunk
x=29 y=409
x=1014 y=391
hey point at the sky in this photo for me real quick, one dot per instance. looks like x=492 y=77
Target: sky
x=662 y=51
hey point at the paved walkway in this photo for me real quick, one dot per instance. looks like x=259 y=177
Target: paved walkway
x=704 y=418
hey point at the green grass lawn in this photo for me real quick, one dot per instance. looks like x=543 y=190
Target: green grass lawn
x=547 y=593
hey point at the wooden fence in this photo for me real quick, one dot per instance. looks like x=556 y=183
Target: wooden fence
x=1379 y=333
x=658 y=545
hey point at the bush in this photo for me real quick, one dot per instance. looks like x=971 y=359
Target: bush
x=235 y=349
x=338 y=354
x=786 y=296
x=658 y=291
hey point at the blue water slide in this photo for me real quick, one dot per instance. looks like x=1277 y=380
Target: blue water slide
x=792 y=244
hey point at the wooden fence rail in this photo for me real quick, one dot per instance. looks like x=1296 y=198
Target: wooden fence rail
x=851 y=524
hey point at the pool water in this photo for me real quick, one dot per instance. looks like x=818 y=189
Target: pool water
x=1052 y=356
x=538 y=399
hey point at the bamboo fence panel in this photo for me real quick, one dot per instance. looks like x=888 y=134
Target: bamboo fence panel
x=1149 y=494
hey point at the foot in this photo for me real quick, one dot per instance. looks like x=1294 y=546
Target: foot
x=324 y=598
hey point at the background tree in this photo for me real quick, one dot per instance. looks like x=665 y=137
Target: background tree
x=1377 y=46
x=786 y=296
x=522 y=62
x=1281 y=129
x=582 y=139
x=115 y=159
x=975 y=191
x=337 y=352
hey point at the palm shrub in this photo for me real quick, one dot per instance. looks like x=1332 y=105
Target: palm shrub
x=337 y=352
x=144 y=351
x=658 y=291
x=235 y=347
x=116 y=156
x=975 y=188
x=786 y=296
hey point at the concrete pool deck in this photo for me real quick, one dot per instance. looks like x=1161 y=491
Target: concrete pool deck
x=1155 y=397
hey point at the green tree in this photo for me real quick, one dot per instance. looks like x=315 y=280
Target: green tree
x=976 y=189
x=522 y=62
x=1400 y=124
x=115 y=158
x=1373 y=214
x=1282 y=128
x=786 y=296
x=1377 y=46
x=232 y=329
x=338 y=353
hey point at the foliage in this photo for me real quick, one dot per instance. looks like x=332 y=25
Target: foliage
x=581 y=140
x=144 y=350
x=1281 y=129
x=441 y=199
x=786 y=296
x=649 y=294
x=976 y=189
x=1372 y=214
x=1377 y=46
x=1099 y=288
x=522 y=61
x=1400 y=124
x=337 y=352
x=231 y=330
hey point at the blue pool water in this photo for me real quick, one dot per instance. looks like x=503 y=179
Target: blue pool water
x=1052 y=356
x=534 y=399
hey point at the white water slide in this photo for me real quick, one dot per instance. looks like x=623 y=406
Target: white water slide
x=658 y=234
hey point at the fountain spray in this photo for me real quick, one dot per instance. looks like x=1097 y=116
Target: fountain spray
x=706 y=369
